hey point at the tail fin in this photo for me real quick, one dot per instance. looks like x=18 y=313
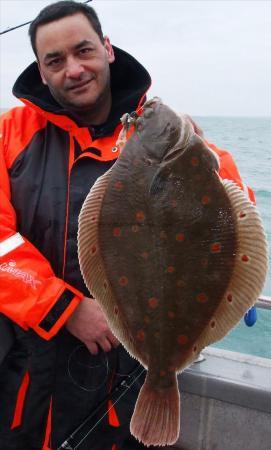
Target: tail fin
x=156 y=418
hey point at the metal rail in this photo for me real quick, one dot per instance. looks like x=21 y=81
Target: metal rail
x=264 y=302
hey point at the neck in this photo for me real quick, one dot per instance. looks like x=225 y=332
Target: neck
x=95 y=116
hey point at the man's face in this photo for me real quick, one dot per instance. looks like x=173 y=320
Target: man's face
x=74 y=63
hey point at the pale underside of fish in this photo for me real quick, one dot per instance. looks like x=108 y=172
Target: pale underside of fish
x=174 y=255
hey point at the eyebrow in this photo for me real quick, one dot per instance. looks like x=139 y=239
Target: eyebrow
x=52 y=55
x=82 y=44
x=76 y=47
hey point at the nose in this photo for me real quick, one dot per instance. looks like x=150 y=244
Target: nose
x=73 y=68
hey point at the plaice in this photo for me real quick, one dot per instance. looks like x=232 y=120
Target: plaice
x=174 y=255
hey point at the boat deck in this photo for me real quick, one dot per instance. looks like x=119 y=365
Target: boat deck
x=226 y=403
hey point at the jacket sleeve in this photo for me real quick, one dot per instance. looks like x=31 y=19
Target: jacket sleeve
x=30 y=294
x=228 y=170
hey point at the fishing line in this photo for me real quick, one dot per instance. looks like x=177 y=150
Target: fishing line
x=27 y=23
x=93 y=368
x=71 y=443
x=85 y=369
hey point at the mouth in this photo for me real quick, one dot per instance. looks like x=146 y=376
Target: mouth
x=80 y=86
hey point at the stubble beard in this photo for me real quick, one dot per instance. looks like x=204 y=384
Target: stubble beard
x=90 y=109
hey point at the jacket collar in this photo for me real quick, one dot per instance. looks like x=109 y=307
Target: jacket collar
x=129 y=83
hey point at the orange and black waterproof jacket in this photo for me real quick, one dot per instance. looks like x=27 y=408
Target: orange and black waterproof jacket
x=49 y=382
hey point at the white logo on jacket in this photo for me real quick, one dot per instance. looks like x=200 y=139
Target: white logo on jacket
x=27 y=278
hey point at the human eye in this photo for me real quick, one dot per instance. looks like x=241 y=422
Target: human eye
x=54 y=63
x=86 y=51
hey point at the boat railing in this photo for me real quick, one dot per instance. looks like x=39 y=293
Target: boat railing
x=226 y=391
x=264 y=302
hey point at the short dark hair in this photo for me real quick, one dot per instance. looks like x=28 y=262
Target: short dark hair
x=62 y=9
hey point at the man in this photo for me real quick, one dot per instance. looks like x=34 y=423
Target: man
x=53 y=150
x=64 y=360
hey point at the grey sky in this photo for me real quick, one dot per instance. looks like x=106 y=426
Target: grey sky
x=205 y=57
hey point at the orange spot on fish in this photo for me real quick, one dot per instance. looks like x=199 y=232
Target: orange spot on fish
x=153 y=302
x=202 y=297
x=205 y=200
x=180 y=237
x=123 y=281
x=242 y=215
x=135 y=228
x=216 y=247
x=212 y=324
x=182 y=339
x=162 y=373
x=245 y=258
x=93 y=249
x=93 y=218
x=116 y=310
x=195 y=348
x=229 y=298
x=194 y=161
x=119 y=186
x=105 y=285
x=117 y=232
x=140 y=216
x=171 y=269
x=145 y=255
x=140 y=335
x=171 y=314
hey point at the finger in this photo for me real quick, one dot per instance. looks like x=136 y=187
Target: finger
x=93 y=348
x=105 y=344
x=112 y=338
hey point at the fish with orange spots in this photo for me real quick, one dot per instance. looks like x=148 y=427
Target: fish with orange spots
x=180 y=256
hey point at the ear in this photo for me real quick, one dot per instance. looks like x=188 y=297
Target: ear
x=109 y=50
x=41 y=73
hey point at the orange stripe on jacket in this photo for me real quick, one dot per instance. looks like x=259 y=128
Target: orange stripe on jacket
x=48 y=429
x=18 y=413
x=112 y=415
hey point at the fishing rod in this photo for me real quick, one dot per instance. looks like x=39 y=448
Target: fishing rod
x=26 y=23
x=86 y=427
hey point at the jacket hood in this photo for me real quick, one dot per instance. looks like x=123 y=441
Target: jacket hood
x=129 y=83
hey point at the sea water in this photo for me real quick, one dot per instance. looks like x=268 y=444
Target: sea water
x=248 y=139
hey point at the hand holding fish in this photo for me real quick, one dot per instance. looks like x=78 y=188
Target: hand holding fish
x=88 y=323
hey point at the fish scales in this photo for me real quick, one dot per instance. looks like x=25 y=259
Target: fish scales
x=165 y=247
